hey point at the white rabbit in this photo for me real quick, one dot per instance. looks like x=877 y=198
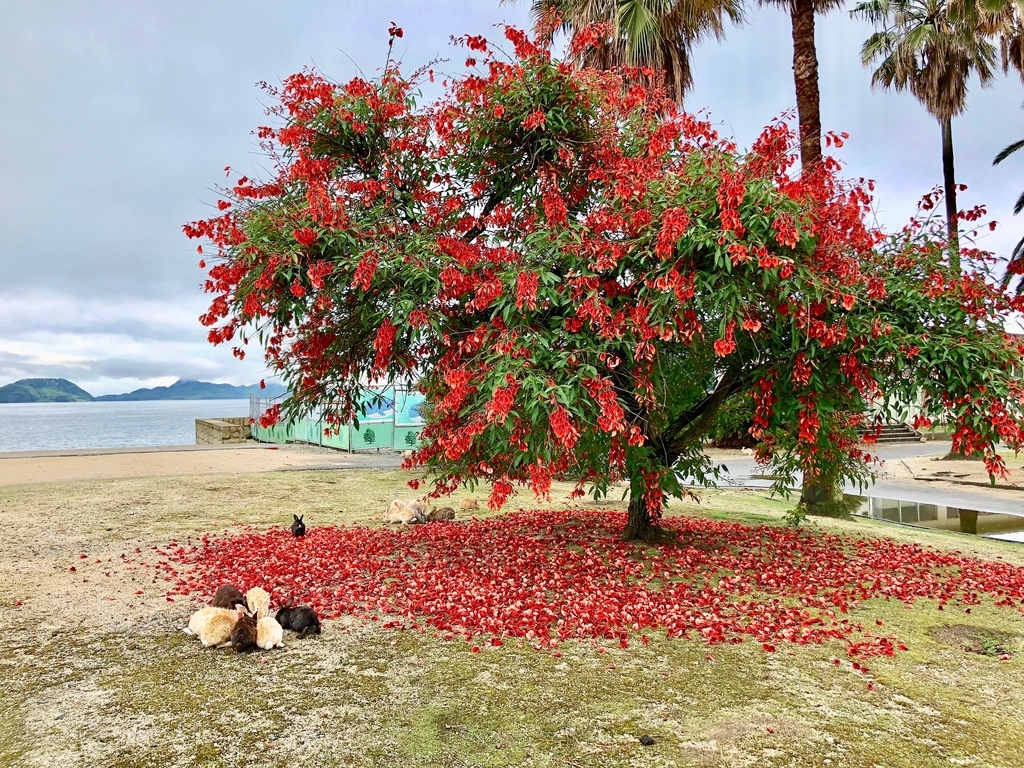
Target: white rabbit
x=269 y=634
x=259 y=602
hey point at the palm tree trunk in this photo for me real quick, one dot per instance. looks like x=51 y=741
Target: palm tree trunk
x=805 y=75
x=949 y=182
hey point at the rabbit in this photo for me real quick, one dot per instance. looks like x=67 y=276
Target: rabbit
x=747 y=451
x=421 y=509
x=301 y=619
x=467 y=504
x=199 y=619
x=212 y=625
x=399 y=513
x=243 y=636
x=298 y=527
x=441 y=513
x=258 y=602
x=269 y=633
x=227 y=596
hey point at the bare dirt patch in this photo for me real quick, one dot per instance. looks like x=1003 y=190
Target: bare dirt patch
x=981 y=640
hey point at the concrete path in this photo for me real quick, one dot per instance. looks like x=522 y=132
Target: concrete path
x=894 y=481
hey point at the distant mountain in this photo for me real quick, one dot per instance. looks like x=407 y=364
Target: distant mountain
x=198 y=390
x=43 y=391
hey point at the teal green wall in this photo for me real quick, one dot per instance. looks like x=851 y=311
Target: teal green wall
x=399 y=431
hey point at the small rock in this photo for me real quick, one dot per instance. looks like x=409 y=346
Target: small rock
x=647 y=740
x=60 y=716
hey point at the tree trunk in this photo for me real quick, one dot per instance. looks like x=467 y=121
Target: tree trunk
x=805 y=75
x=815 y=493
x=824 y=496
x=949 y=182
x=639 y=526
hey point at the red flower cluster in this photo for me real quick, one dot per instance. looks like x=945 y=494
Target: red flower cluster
x=564 y=429
x=304 y=236
x=526 y=290
x=554 y=576
x=363 y=277
x=502 y=402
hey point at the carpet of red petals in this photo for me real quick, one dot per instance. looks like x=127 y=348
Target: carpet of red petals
x=548 y=577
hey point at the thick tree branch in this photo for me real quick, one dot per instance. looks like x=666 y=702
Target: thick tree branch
x=492 y=202
x=695 y=421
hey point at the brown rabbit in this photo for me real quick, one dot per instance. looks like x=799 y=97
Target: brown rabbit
x=228 y=596
x=212 y=625
x=439 y=514
x=467 y=504
x=243 y=636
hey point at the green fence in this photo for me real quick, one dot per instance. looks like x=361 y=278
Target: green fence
x=394 y=425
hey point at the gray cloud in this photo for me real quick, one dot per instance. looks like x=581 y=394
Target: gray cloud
x=15 y=366
x=128 y=111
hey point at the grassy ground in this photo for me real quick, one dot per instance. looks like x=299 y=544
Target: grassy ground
x=94 y=674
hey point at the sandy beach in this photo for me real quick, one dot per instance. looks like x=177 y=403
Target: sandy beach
x=169 y=461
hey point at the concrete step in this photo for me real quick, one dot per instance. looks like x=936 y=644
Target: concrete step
x=895 y=433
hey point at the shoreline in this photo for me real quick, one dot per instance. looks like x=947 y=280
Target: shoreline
x=55 y=467
x=131 y=449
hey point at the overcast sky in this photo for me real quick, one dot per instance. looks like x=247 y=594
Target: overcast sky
x=118 y=118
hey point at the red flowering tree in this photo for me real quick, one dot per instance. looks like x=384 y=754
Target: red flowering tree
x=577 y=275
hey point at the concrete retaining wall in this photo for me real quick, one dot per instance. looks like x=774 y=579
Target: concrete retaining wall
x=221 y=431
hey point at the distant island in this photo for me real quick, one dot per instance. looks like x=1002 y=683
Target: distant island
x=64 y=391
x=43 y=391
x=198 y=390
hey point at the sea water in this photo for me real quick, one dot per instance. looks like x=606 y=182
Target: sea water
x=64 y=426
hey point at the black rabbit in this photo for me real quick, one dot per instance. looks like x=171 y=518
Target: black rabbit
x=301 y=619
x=298 y=527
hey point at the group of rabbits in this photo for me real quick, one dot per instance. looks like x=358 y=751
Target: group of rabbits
x=415 y=512
x=245 y=623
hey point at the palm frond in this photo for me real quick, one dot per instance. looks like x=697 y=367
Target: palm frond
x=1007 y=151
x=659 y=34
x=1017 y=257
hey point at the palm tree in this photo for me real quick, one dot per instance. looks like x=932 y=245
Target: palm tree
x=1017 y=257
x=659 y=34
x=805 y=72
x=922 y=48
